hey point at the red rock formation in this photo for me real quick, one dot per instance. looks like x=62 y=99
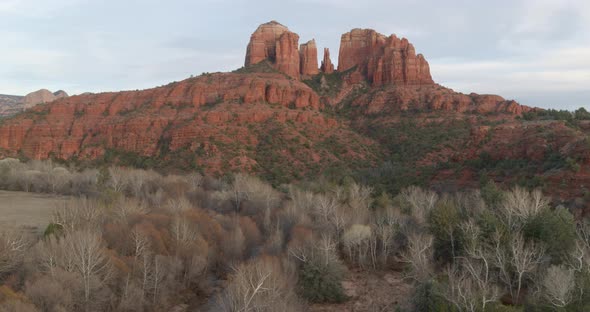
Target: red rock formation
x=381 y=59
x=263 y=43
x=309 y=58
x=135 y=120
x=435 y=98
x=327 y=66
x=274 y=42
x=288 y=54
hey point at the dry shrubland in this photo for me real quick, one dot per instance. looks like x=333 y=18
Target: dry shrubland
x=135 y=240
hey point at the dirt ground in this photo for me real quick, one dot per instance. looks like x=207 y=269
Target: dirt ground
x=379 y=291
x=28 y=210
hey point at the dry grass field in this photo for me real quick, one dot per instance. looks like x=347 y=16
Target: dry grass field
x=28 y=210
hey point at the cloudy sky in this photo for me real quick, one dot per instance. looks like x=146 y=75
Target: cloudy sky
x=534 y=51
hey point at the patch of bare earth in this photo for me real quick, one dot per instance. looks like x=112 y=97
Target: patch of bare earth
x=377 y=291
x=27 y=210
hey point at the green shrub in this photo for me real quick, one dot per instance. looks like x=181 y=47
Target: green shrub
x=427 y=298
x=491 y=194
x=52 y=229
x=556 y=230
x=444 y=222
x=321 y=283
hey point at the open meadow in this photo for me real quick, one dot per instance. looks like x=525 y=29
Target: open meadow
x=29 y=210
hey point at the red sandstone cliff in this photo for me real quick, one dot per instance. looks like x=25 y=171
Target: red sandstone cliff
x=274 y=42
x=327 y=66
x=309 y=58
x=381 y=59
x=135 y=121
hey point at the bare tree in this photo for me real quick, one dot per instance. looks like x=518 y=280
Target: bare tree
x=558 y=286
x=179 y=205
x=118 y=179
x=303 y=201
x=57 y=179
x=13 y=246
x=324 y=208
x=183 y=232
x=28 y=179
x=359 y=200
x=260 y=286
x=580 y=256
x=466 y=291
x=385 y=231
x=327 y=246
x=357 y=243
x=419 y=256
x=262 y=193
x=136 y=181
x=520 y=204
x=90 y=259
x=141 y=243
x=49 y=255
x=126 y=207
x=479 y=263
x=77 y=214
x=238 y=190
x=339 y=219
x=500 y=258
x=52 y=293
x=84 y=182
x=526 y=257
x=234 y=246
x=421 y=202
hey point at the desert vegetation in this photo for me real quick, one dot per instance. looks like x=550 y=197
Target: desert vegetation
x=138 y=240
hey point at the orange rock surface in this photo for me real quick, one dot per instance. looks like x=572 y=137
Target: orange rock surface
x=274 y=42
x=309 y=58
x=382 y=59
x=327 y=66
x=135 y=120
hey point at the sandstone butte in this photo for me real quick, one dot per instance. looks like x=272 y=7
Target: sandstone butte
x=211 y=114
x=309 y=58
x=382 y=59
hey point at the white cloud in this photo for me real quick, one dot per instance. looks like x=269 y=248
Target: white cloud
x=565 y=71
x=514 y=48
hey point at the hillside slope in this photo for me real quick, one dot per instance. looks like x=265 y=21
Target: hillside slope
x=10 y=105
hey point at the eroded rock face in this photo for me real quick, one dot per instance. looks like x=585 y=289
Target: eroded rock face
x=327 y=66
x=135 y=121
x=10 y=105
x=42 y=96
x=383 y=60
x=309 y=58
x=263 y=43
x=288 y=54
x=434 y=97
x=38 y=97
x=276 y=43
